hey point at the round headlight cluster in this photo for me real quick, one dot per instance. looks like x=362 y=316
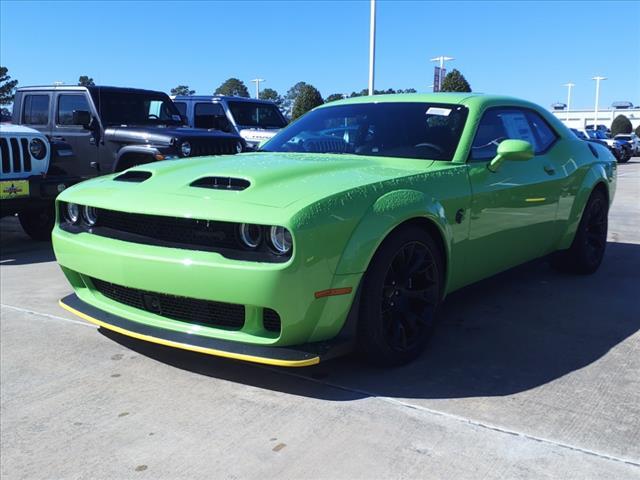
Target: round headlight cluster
x=75 y=214
x=185 y=148
x=279 y=238
x=37 y=148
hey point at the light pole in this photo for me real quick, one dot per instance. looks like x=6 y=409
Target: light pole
x=257 y=82
x=569 y=87
x=595 y=120
x=441 y=59
x=372 y=45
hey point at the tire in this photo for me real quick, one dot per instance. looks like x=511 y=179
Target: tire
x=400 y=294
x=625 y=156
x=38 y=223
x=588 y=247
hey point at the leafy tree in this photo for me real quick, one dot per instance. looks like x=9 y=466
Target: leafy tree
x=271 y=94
x=7 y=86
x=365 y=91
x=233 y=87
x=182 y=90
x=290 y=98
x=455 y=82
x=638 y=130
x=621 y=124
x=85 y=81
x=308 y=98
x=408 y=90
x=333 y=97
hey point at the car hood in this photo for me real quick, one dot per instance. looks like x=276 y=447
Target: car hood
x=275 y=179
x=161 y=135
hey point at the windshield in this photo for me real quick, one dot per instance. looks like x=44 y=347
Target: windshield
x=128 y=108
x=257 y=115
x=407 y=130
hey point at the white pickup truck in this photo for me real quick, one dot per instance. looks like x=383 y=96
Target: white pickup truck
x=25 y=154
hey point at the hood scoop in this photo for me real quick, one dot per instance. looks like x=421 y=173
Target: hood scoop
x=222 y=183
x=134 y=176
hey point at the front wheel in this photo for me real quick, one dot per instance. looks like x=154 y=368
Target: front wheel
x=38 y=223
x=401 y=291
x=587 y=250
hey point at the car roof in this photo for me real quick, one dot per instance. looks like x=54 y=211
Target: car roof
x=210 y=98
x=460 y=98
x=81 y=88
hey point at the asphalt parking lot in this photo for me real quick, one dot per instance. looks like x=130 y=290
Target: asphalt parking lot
x=531 y=374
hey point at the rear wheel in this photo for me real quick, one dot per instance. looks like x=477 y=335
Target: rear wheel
x=588 y=247
x=38 y=223
x=401 y=291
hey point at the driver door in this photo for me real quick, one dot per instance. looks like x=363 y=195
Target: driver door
x=513 y=210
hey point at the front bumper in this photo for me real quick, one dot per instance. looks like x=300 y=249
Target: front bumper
x=302 y=356
x=42 y=192
x=288 y=289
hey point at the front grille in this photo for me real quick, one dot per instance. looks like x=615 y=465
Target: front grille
x=271 y=320
x=173 y=230
x=201 y=312
x=15 y=156
x=212 y=146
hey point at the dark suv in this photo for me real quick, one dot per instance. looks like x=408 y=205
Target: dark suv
x=98 y=130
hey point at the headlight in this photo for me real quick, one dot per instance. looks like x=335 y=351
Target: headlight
x=90 y=215
x=185 y=148
x=251 y=235
x=73 y=212
x=238 y=147
x=37 y=148
x=280 y=240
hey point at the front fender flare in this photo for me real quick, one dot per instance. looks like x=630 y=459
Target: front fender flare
x=388 y=212
x=149 y=150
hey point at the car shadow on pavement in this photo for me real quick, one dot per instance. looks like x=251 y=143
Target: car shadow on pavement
x=508 y=334
x=16 y=248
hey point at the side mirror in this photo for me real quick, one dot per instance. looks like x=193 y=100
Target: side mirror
x=185 y=120
x=512 y=150
x=82 y=117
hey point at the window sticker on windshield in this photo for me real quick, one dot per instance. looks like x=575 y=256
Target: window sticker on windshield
x=443 y=112
x=517 y=127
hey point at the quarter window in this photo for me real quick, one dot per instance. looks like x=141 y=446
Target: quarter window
x=500 y=124
x=67 y=104
x=211 y=115
x=182 y=107
x=35 y=110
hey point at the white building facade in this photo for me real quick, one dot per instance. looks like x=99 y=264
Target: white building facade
x=581 y=118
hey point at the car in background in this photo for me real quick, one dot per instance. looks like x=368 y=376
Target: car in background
x=25 y=190
x=99 y=129
x=601 y=138
x=630 y=139
x=330 y=239
x=254 y=120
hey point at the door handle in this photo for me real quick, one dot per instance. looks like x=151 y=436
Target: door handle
x=549 y=169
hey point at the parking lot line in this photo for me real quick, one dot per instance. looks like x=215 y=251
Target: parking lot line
x=45 y=315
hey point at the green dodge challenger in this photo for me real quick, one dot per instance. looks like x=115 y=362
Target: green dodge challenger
x=344 y=231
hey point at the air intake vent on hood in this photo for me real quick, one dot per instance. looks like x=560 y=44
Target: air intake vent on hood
x=222 y=183
x=135 y=176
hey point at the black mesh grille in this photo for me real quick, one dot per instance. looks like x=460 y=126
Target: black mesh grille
x=271 y=320
x=220 y=146
x=185 y=231
x=191 y=310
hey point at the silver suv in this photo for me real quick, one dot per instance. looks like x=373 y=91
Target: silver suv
x=254 y=120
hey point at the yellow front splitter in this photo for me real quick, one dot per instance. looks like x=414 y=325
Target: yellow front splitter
x=277 y=356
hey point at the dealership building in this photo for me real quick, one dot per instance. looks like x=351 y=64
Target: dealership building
x=581 y=118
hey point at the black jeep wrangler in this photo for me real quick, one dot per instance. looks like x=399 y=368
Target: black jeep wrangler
x=98 y=130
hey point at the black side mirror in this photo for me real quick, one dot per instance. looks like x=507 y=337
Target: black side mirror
x=82 y=117
x=185 y=120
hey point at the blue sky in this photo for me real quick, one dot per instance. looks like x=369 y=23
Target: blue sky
x=526 y=49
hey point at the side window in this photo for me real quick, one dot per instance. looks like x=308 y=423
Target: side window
x=35 y=110
x=211 y=115
x=182 y=108
x=67 y=104
x=545 y=136
x=500 y=124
